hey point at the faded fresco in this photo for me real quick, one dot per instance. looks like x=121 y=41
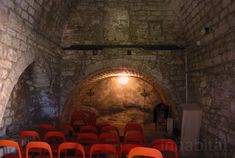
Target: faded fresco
x=118 y=103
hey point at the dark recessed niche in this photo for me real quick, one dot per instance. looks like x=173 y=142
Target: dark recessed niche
x=129 y=52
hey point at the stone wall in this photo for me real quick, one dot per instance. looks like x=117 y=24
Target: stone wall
x=165 y=67
x=122 y=21
x=20 y=105
x=209 y=30
x=29 y=30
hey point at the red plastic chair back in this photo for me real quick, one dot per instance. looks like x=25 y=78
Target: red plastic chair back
x=78 y=115
x=11 y=143
x=88 y=129
x=46 y=126
x=104 y=149
x=110 y=138
x=74 y=146
x=78 y=119
x=87 y=138
x=66 y=128
x=133 y=127
x=143 y=151
x=54 y=137
x=126 y=148
x=100 y=125
x=110 y=129
x=28 y=134
x=38 y=145
x=69 y=132
x=165 y=145
x=134 y=138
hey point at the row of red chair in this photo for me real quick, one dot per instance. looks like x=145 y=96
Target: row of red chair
x=95 y=149
x=133 y=134
x=92 y=128
x=88 y=139
x=54 y=138
x=137 y=138
x=133 y=128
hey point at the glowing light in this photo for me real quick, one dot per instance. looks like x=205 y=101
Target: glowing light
x=123 y=80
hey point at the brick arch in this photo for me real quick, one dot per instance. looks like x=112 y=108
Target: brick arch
x=16 y=70
x=108 y=64
x=143 y=71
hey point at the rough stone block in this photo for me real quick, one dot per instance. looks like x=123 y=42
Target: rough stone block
x=24 y=5
x=31 y=11
x=3 y=74
x=25 y=15
x=13 y=55
x=5 y=64
x=8 y=3
x=8 y=121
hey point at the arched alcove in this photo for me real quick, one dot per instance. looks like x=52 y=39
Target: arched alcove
x=19 y=109
x=117 y=102
x=17 y=69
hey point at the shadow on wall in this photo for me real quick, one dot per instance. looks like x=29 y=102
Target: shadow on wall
x=19 y=110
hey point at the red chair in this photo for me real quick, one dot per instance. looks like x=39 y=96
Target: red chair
x=69 y=132
x=74 y=146
x=66 y=128
x=110 y=129
x=103 y=149
x=110 y=138
x=88 y=129
x=39 y=145
x=167 y=147
x=134 y=138
x=143 y=151
x=78 y=119
x=100 y=125
x=26 y=136
x=46 y=126
x=130 y=127
x=87 y=140
x=126 y=148
x=54 y=138
x=10 y=143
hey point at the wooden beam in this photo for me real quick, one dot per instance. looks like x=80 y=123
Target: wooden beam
x=101 y=47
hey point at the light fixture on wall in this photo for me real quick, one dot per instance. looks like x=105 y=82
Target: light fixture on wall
x=123 y=80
